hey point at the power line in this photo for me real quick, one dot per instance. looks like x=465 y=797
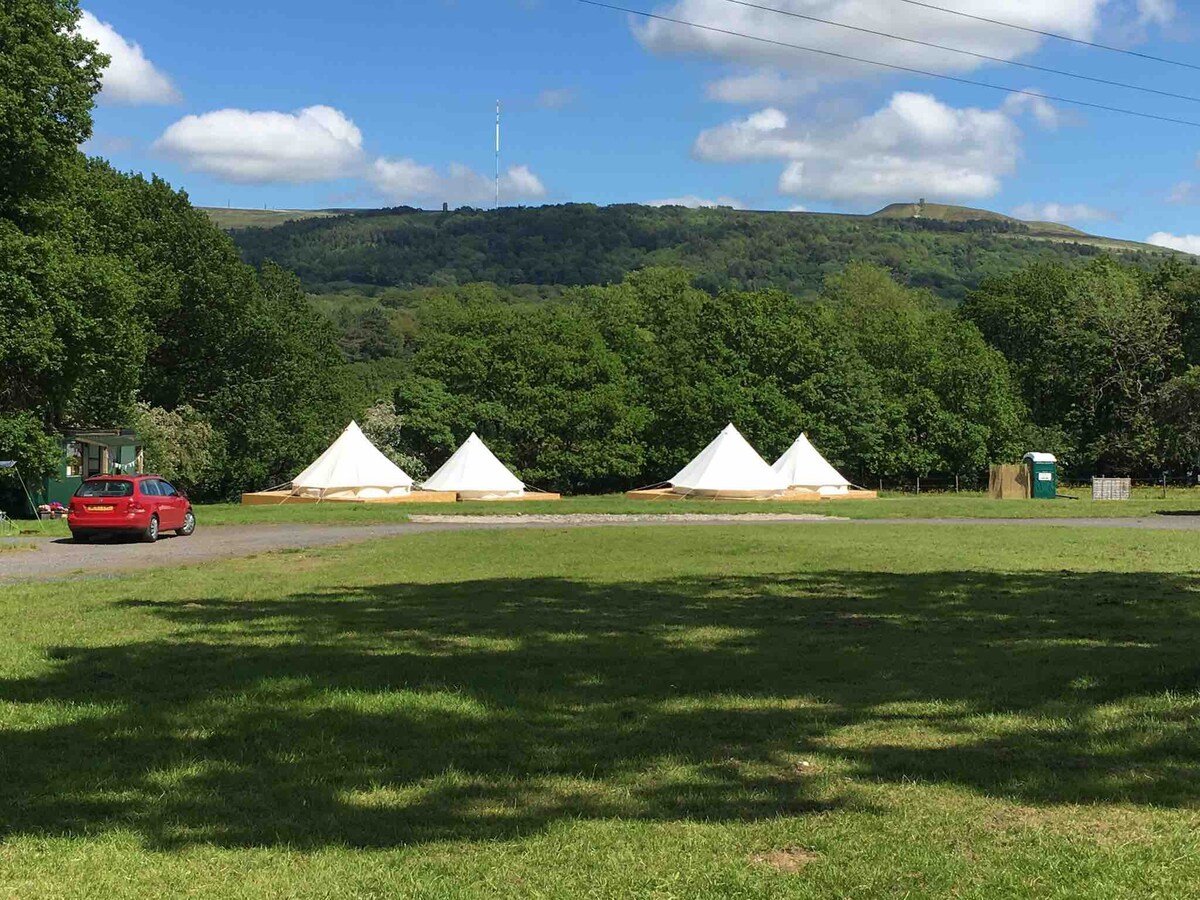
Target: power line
x=972 y=53
x=1051 y=34
x=898 y=68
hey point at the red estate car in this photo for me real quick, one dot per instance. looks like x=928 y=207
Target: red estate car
x=145 y=505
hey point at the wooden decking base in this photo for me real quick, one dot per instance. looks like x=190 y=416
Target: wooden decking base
x=279 y=498
x=522 y=498
x=787 y=496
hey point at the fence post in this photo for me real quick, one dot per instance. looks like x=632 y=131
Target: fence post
x=956 y=484
x=918 y=484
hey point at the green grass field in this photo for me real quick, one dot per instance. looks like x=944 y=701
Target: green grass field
x=754 y=711
x=1146 y=502
x=261 y=218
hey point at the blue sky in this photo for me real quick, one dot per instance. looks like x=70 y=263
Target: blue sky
x=302 y=104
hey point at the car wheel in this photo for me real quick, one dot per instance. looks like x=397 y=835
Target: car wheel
x=81 y=537
x=189 y=524
x=150 y=535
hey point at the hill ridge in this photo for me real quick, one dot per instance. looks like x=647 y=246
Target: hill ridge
x=947 y=249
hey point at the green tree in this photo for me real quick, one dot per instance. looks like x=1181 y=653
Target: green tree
x=49 y=76
x=1089 y=349
x=384 y=428
x=180 y=444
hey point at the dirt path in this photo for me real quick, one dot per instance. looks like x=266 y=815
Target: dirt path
x=62 y=558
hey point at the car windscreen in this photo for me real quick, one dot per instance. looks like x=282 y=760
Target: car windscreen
x=105 y=489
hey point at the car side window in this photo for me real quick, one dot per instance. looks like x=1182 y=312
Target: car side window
x=150 y=488
x=166 y=490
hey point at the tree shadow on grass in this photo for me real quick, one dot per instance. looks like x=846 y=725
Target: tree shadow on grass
x=404 y=713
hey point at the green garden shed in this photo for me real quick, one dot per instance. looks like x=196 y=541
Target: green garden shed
x=88 y=452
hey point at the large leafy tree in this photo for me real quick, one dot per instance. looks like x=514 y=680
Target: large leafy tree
x=49 y=76
x=1089 y=348
x=52 y=299
x=538 y=383
x=116 y=295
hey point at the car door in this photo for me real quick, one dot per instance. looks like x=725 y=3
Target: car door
x=174 y=506
x=152 y=500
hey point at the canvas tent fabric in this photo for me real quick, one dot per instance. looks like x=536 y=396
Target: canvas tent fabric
x=804 y=468
x=352 y=468
x=730 y=467
x=474 y=472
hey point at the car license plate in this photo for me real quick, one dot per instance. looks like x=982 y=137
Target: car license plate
x=100 y=509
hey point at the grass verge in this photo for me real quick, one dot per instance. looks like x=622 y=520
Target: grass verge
x=717 y=712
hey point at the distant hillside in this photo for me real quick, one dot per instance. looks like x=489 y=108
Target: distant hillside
x=1048 y=231
x=949 y=250
x=232 y=219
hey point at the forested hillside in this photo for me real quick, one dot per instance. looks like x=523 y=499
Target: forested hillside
x=581 y=244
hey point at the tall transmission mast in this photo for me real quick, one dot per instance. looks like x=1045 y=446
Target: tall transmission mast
x=497 y=154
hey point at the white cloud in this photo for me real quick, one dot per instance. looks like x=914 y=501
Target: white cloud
x=318 y=143
x=1077 y=18
x=407 y=181
x=1044 y=112
x=759 y=136
x=1062 y=212
x=1188 y=243
x=691 y=201
x=761 y=86
x=130 y=78
x=914 y=146
x=556 y=98
x=1155 y=12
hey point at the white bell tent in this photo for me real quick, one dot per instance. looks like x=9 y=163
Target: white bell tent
x=804 y=468
x=728 y=467
x=474 y=473
x=352 y=469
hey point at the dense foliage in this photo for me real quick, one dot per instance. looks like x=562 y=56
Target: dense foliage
x=1104 y=358
x=620 y=385
x=582 y=244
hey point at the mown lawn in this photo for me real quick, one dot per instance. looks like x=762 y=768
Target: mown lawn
x=757 y=711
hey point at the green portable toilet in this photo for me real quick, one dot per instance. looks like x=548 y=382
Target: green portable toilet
x=1043 y=475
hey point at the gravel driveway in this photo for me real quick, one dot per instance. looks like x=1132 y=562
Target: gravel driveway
x=63 y=558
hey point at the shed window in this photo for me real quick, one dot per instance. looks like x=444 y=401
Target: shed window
x=74 y=460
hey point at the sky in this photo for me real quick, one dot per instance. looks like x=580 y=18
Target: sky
x=299 y=104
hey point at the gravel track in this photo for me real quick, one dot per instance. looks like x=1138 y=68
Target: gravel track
x=63 y=558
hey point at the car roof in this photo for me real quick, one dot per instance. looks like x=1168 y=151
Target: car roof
x=122 y=477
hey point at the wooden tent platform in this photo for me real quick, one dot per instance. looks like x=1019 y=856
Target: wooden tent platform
x=279 y=498
x=523 y=498
x=787 y=496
